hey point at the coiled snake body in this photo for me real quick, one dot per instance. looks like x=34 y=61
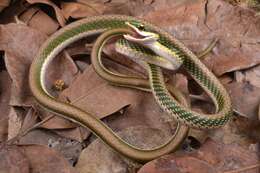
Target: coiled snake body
x=165 y=44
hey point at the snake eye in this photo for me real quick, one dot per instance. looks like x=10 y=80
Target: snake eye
x=141 y=27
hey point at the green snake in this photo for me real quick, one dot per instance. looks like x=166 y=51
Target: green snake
x=164 y=41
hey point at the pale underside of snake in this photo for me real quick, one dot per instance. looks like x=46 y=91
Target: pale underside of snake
x=100 y=24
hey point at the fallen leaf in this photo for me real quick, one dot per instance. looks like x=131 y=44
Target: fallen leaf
x=49 y=161
x=29 y=120
x=94 y=95
x=80 y=10
x=253 y=76
x=211 y=157
x=15 y=120
x=8 y=15
x=35 y=18
x=12 y=160
x=245 y=98
x=4 y=3
x=79 y=133
x=70 y=149
x=259 y=112
x=61 y=68
x=112 y=7
x=20 y=44
x=5 y=83
x=57 y=10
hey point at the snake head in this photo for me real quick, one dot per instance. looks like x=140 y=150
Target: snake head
x=143 y=37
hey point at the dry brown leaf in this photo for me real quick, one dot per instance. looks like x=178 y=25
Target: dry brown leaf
x=4 y=3
x=29 y=120
x=113 y=7
x=61 y=68
x=70 y=149
x=49 y=161
x=253 y=76
x=100 y=157
x=58 y=11
x=211 y=157
x=21 y=41
x=15 y=120
x=259 y=112
x=91 y=93
x=18 y=68
x=237 y=30
x=35 y=18
x=20 y=44
x=80 y=10
x=5 y=92
x=12 y=160
x=245 y=98
x=79 y=133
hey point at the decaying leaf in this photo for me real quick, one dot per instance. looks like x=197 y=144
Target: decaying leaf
x=15 y=120
x=57 y=10
x=245 y=98
x=211 y=157
x=80 y=10
x=12 y=160
x=70 y=149
x=5 y=92
x=20 y=44
x=35 y=18
x=253 y=76
x=4 y=3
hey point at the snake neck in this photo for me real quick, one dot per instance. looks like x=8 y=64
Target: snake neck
x=165 y=52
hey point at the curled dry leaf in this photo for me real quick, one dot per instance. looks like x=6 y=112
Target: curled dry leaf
x=35 y=18
x=100 y=157
x=58 y=11
x=5 y=92
x=4 y=3
x=212 y=157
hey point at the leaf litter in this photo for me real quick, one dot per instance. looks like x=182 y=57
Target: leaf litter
x=131 y=113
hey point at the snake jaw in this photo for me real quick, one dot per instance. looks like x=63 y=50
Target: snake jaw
x=143 y=37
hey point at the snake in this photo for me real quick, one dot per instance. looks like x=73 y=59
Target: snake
x=176 y=55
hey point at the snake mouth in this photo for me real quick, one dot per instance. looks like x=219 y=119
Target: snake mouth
x=140 y=35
